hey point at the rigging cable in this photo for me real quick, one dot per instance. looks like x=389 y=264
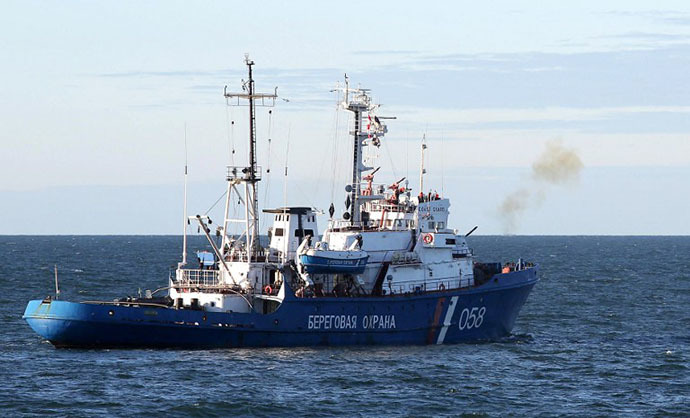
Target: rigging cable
x=268 y=167
x=185 y=220
x=407 y=154
x=442 y=169
x=215 y=203
x=287 y=152
x=334 y=163
x=268 y=160
x=230 y=123
x=390 y=157
x=324 y=160
x=307 y=197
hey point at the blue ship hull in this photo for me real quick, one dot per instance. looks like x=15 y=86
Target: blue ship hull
x=484 y=313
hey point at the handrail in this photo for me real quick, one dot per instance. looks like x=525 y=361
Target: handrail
x=161 y=289
x=242 y=172
x=392 y=207
x=103 y=302
x=207 y=279
x=198 y=277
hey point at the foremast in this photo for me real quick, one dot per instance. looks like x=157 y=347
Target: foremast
x=251 y=175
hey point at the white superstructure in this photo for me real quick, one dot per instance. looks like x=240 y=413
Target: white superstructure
x=406 y=236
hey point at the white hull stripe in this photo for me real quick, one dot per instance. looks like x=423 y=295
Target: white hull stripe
x=446 y=320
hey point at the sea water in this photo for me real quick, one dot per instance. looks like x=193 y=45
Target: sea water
x=606 y=332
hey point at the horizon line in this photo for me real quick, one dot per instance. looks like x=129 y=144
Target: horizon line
x=476 y=235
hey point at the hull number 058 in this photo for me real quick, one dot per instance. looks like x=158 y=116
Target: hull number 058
x=471 y=318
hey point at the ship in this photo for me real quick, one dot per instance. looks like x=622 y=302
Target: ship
x=388 y=271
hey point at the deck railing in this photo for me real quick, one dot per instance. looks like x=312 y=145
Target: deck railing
x=198 y=278
x=242 y=173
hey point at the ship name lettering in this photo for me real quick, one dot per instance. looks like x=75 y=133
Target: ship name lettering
x=378 y=321
x=341 y=262
x=332 y=321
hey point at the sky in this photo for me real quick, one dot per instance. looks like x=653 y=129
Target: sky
x=96 y=99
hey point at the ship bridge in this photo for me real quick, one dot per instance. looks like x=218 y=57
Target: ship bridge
x=290 y=226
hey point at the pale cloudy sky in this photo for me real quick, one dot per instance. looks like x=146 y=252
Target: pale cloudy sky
x=94 y=97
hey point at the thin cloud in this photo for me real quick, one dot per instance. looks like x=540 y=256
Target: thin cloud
x=387 y=52
x=674 y=17
x=178 y=73
x=648 y=36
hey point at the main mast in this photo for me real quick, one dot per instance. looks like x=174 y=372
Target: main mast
x=252 y=139
x=357 y=106
x=253 y=244
x=359 y=103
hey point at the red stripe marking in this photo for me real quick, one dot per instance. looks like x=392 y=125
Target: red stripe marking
x=437 y=318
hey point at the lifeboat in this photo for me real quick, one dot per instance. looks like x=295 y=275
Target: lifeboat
x=322 y=260
x=326 y=261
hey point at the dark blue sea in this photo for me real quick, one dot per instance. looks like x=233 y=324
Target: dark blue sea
x=606 y=332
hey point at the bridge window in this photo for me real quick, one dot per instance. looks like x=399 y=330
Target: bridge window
x=450 y=241
x=298 y=233
x=432 y=225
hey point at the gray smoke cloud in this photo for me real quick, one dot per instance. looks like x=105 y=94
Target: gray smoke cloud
x=556 y=166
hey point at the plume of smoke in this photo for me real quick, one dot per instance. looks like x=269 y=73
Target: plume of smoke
x=512 y=208
x=556 y=166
